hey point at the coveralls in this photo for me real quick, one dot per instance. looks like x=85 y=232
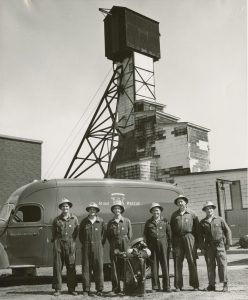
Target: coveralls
x=64 y=234
x=185 y=231
x=119 y=235
x=215 y=236
x=92 y=237
x=158 y=239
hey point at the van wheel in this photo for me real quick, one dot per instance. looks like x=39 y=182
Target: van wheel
x=24 y=272
x=107 y=272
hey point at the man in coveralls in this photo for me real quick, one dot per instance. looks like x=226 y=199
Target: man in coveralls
x=92 y=235
x=157 y=234
x=185 y=230
x=119 y=234
x=215 y=239
x=64 y=234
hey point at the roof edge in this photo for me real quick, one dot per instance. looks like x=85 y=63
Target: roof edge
x=211 y=172
x=20 y=139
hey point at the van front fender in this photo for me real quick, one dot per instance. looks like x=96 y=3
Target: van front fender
x=4 y=260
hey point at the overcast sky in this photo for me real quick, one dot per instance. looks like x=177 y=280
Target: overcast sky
x=53 y=67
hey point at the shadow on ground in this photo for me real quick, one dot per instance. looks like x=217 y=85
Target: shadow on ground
x=11 y=280
x=239 y=262
x=31 y=293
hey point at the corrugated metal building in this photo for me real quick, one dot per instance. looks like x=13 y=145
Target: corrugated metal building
x=20 y=163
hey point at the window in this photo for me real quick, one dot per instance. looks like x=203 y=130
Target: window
x=231 y=193
x=179 y=131
x=228 y=197
x=237 y=195
x=138 y=107
x=161 y=134
x=28 y=213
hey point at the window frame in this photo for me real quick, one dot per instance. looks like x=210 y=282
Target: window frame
x=241 y=196
x=25 y=205
x=231 y=199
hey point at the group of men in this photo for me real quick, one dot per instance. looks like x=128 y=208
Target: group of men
x=183 y=235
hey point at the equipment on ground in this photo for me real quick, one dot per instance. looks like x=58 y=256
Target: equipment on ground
x=135 y=267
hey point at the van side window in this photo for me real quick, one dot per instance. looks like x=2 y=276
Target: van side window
x=28 y=213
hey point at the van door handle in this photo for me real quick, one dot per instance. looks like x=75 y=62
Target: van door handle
x=36 y=233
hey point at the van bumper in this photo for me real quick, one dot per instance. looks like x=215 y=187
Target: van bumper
x=4 y=260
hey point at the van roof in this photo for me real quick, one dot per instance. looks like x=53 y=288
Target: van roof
x=34 y=186
x=96 y=182
x=113 y=181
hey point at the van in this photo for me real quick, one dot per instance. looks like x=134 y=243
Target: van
x=26 y=218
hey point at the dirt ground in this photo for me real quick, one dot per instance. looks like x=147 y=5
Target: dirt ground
x=39 y=288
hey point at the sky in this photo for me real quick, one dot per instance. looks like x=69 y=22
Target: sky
x=53 y=72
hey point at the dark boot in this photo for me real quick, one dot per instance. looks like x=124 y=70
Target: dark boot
x=210 y=288
x=99 y=293
x=225 y=287
x=72 y=292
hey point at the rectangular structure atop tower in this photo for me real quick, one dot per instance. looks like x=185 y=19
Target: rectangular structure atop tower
x=127 y=31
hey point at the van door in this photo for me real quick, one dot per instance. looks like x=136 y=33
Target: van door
x=25 y=235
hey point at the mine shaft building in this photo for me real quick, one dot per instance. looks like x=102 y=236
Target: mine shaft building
x=153 y=145
x=131 y=135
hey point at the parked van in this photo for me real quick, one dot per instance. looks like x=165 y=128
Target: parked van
x=26 y=218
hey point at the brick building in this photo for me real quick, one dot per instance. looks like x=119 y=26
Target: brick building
x=20 y=163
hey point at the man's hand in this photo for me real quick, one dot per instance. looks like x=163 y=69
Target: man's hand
x=203 y=252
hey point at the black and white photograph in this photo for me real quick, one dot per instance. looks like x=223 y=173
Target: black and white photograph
x=123 y=149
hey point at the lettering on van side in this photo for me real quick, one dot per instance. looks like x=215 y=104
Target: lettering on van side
x=133 y=203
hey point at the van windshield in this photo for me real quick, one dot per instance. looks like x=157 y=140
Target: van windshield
x=5 y=211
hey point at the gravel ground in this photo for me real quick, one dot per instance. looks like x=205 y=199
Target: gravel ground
x=40 y=287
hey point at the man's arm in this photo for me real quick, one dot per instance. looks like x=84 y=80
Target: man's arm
x=104 y=233
x=196 y=233
x=130 y=231
x=54 y=231
x=75 y=232
x=80 y=231
x=228 y=234
x=108 y=231
x=201 y=238
x=169 y=234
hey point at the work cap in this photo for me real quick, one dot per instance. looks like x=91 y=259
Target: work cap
x=181 y=197
x=154 y=204
x=94 y=205
x=208 y=203
x=118 y=203
x=118 y=200
x=137 y=241
x=63 y=201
